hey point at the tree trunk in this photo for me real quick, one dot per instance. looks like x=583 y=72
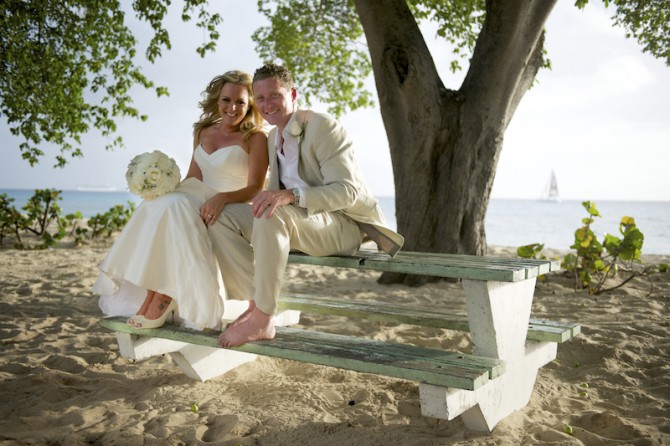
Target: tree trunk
x=445 y=144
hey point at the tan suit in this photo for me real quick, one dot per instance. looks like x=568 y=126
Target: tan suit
x=339 y=210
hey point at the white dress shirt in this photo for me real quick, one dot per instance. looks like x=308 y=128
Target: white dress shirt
x=287 y=160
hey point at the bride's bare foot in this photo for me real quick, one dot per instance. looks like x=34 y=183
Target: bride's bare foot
x=257 y=326
x=242 y=317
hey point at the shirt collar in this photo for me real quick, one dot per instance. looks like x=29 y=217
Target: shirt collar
x=285 y=133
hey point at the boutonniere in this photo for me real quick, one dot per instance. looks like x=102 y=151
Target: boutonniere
x=297 y=128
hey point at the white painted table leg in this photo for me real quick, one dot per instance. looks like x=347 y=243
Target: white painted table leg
x=498 y=315
x=142 y=347
x=203 y=363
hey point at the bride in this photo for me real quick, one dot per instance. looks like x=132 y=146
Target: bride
x=163 y=260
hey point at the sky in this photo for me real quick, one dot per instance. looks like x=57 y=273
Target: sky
x=600 y=118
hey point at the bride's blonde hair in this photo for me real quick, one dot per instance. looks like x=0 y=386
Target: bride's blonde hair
x=252 y=122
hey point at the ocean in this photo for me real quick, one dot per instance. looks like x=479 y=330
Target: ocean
x=509 y=222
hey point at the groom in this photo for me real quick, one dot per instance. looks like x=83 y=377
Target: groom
x=317 y=202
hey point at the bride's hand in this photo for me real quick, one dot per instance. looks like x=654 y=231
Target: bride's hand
x=210 y=211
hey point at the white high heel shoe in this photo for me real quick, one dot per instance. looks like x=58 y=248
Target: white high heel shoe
x=142 y=322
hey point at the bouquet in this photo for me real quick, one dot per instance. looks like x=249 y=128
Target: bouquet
x=152 y=174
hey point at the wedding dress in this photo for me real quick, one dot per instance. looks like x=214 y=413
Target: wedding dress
x=165 y=247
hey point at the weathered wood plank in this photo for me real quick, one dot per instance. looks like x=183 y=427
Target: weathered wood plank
x=432 y=366
x=538 y=330
x=500 y=269
x=568 y=330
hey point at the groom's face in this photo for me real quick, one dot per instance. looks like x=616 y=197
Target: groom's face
x=275 y=102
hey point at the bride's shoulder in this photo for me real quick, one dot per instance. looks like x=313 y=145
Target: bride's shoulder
x=258 y=137
x=258 y=140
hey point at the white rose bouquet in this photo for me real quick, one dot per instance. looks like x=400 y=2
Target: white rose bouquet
x=152 y=174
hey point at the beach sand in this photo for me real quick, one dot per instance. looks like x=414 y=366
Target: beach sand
x=64 y=382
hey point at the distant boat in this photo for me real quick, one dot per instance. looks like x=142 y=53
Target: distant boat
x=95 y=188
x=551 y=191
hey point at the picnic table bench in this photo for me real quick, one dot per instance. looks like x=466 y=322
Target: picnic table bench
x=497 y=378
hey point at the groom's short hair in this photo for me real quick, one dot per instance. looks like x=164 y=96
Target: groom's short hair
x=282 y=74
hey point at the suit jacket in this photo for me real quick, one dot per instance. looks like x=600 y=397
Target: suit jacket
x=327 y=163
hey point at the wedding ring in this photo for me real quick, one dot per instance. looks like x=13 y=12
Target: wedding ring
x=209 y=215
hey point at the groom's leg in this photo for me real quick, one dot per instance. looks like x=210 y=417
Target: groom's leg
x=290 y=228
x=273 y=238
x=231 y=235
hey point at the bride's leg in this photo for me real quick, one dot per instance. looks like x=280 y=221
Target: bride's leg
x=146 y=303
x=157 y=306
x=143 y=308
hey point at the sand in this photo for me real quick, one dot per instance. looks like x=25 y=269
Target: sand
x=64 y=382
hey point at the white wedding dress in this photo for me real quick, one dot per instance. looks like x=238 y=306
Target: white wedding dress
x=165 y=247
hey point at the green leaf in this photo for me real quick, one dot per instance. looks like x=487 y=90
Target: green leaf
x=69 y=67
x=529 y=251
x=590 y=207
x=569 y=262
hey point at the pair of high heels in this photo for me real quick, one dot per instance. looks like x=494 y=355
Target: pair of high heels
x=141 y=322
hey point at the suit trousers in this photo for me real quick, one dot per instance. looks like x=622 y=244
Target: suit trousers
x=253 y=252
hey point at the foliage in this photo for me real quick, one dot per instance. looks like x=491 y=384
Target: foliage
x=77 y=231
x=532 y=251
x=68 y=67
x=42 y=215
x=321 y=43
x=593 y=262
x=647 y=21
x=111 y=221
x=459 y=23
x=42 y=219
x=11 y=220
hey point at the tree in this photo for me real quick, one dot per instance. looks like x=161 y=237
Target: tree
x=67 y=67
x=444 y=144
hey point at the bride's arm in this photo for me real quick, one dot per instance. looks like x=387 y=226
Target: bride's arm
x=193 y=169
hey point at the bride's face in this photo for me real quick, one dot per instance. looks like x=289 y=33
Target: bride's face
x=233 y=104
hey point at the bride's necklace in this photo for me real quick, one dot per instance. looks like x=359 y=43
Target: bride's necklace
x=227 y=130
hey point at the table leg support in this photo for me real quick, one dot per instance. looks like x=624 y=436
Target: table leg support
x=498 y=315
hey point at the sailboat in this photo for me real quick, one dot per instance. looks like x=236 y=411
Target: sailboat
x=551 y=191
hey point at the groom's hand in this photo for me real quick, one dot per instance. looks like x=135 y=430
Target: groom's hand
x=268 y=200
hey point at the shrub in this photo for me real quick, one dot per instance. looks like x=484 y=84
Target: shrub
x=42 y=218
x=593 y=262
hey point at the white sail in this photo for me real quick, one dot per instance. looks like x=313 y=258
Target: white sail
x=551 y=191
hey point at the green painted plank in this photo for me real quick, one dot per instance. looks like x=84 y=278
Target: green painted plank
x=373 y=311
x=538 y=330
x=442 y=270
x=573 y=329
x=432 y=366
x=501 y=269
x=335 y=261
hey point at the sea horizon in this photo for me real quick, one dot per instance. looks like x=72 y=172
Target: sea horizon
x=509 y=222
